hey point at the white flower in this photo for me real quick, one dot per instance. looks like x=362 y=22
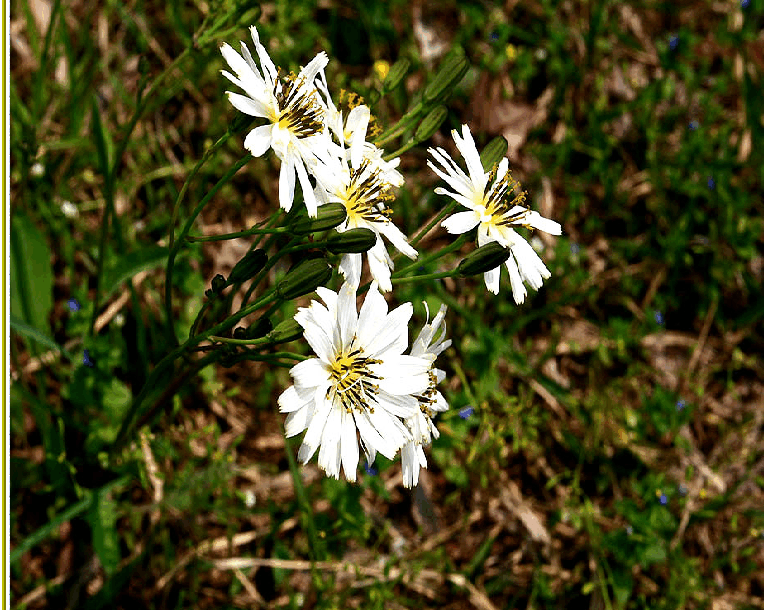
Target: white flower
x=429 y=344
x=364 y=192
x=487 y=197
x=361 y=383
x=294 y=111
x=351 y=133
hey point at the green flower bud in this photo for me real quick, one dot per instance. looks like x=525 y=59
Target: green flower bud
x=218 y=284
x=327 y=217
x=493 y=152
x=483 y=259
x=247 y=267
x=286 y=331
x=430 y=123
x=357 y=240
x=394 y=77
x=259 y=329
x=305 y=277
x=451 y=71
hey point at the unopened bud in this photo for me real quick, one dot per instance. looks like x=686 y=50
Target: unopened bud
x=430 y=123
x=493 y=152
x=259 y=329
x=304 y=278
x=355 y=241
x=327 y=217
x=396 y=74
x=247 y=267
x=288 y=330
x=483 y=259
x=451 y=71
x=218 y=284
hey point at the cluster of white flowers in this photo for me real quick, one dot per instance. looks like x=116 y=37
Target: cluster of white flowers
x=362 y=385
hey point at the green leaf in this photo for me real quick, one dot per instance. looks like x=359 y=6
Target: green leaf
x=32 y=333
x=31 y=280
x=131 y=264
x=103 y=524
x=102 y=142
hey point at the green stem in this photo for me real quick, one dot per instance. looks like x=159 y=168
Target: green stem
x=428 y=227
x=183 y=233
x=225 y=236
x=403 y=123
x=406 y=147
x=455 y=245
x=426 y=276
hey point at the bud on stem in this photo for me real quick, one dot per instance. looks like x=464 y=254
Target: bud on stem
x=356 y=240
x=248 y=267
x=430 y=124
x=451 y=71
x=399 y=69
x=483 y=259
x=493 y=152
x=286 y=331
x=327 y=217
x=304 y=278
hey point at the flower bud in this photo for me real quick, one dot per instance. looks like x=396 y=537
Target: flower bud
x=398 y=70
x=259 y=329
x=303 y=278
x=483 y=259
x=356 y=240
x=430 y=123
x=286 y=331
x=327 y=217
x=247 y=267
x=451 y=72
x=493 y=152
x=218 y=284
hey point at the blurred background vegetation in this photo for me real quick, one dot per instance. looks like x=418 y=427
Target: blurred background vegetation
x=614 y=454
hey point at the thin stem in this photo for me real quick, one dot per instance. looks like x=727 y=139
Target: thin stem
x=428 y=227
x=225 y=236
x=455 y=245
x=258 y=341
x=406 y=147
x=427 y=276
x=184 y=231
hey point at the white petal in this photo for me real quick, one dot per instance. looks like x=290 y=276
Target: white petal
x=315 y=431
x=518 y=288
x=379 y=265
x=298 y=420
x=248 y=105
x=309 y=373
x=461 y=222
x=349 y=446
x=290 y=400
x=409 y=465
x=471 y=157
x=403 y=406
x=491 y=279
x=537 y=221
x=307 y=189
x=350 y=268
x=269 y=70
x=329 y=454
x=403 y=374
x=398 y=239
x=286 y=184
x=347 y=318
x=372 y=315
x=258 y=140
x=392 y=336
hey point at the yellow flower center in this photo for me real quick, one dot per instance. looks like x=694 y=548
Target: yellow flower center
x=353 y=381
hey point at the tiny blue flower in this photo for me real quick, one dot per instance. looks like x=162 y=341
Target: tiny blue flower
x=86 y=359
x=693 y=125
x=494 y=35
x=465 y=412
x=659 y=318
x=629 y=530
x=74 y=304
x=674 y=42
x=711 y=183
x=664 y=499
x=370 y=469
x=680 y=405
x=682 y=489
x=744 y=3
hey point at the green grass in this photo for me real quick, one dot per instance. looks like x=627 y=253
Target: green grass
x=614 y=455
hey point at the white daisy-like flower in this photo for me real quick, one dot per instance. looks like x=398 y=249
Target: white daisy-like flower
x=361 y=383
x=364 y=192
x=294 y=111
x=494 y=207
x=429 y=344
x=351 y=131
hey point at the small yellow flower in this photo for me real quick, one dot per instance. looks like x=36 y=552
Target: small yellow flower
x=381 y=68
x=511 y=52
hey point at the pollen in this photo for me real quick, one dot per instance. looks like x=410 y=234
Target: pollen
x=353 y=381
x=502 y=197
x=367 y=195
